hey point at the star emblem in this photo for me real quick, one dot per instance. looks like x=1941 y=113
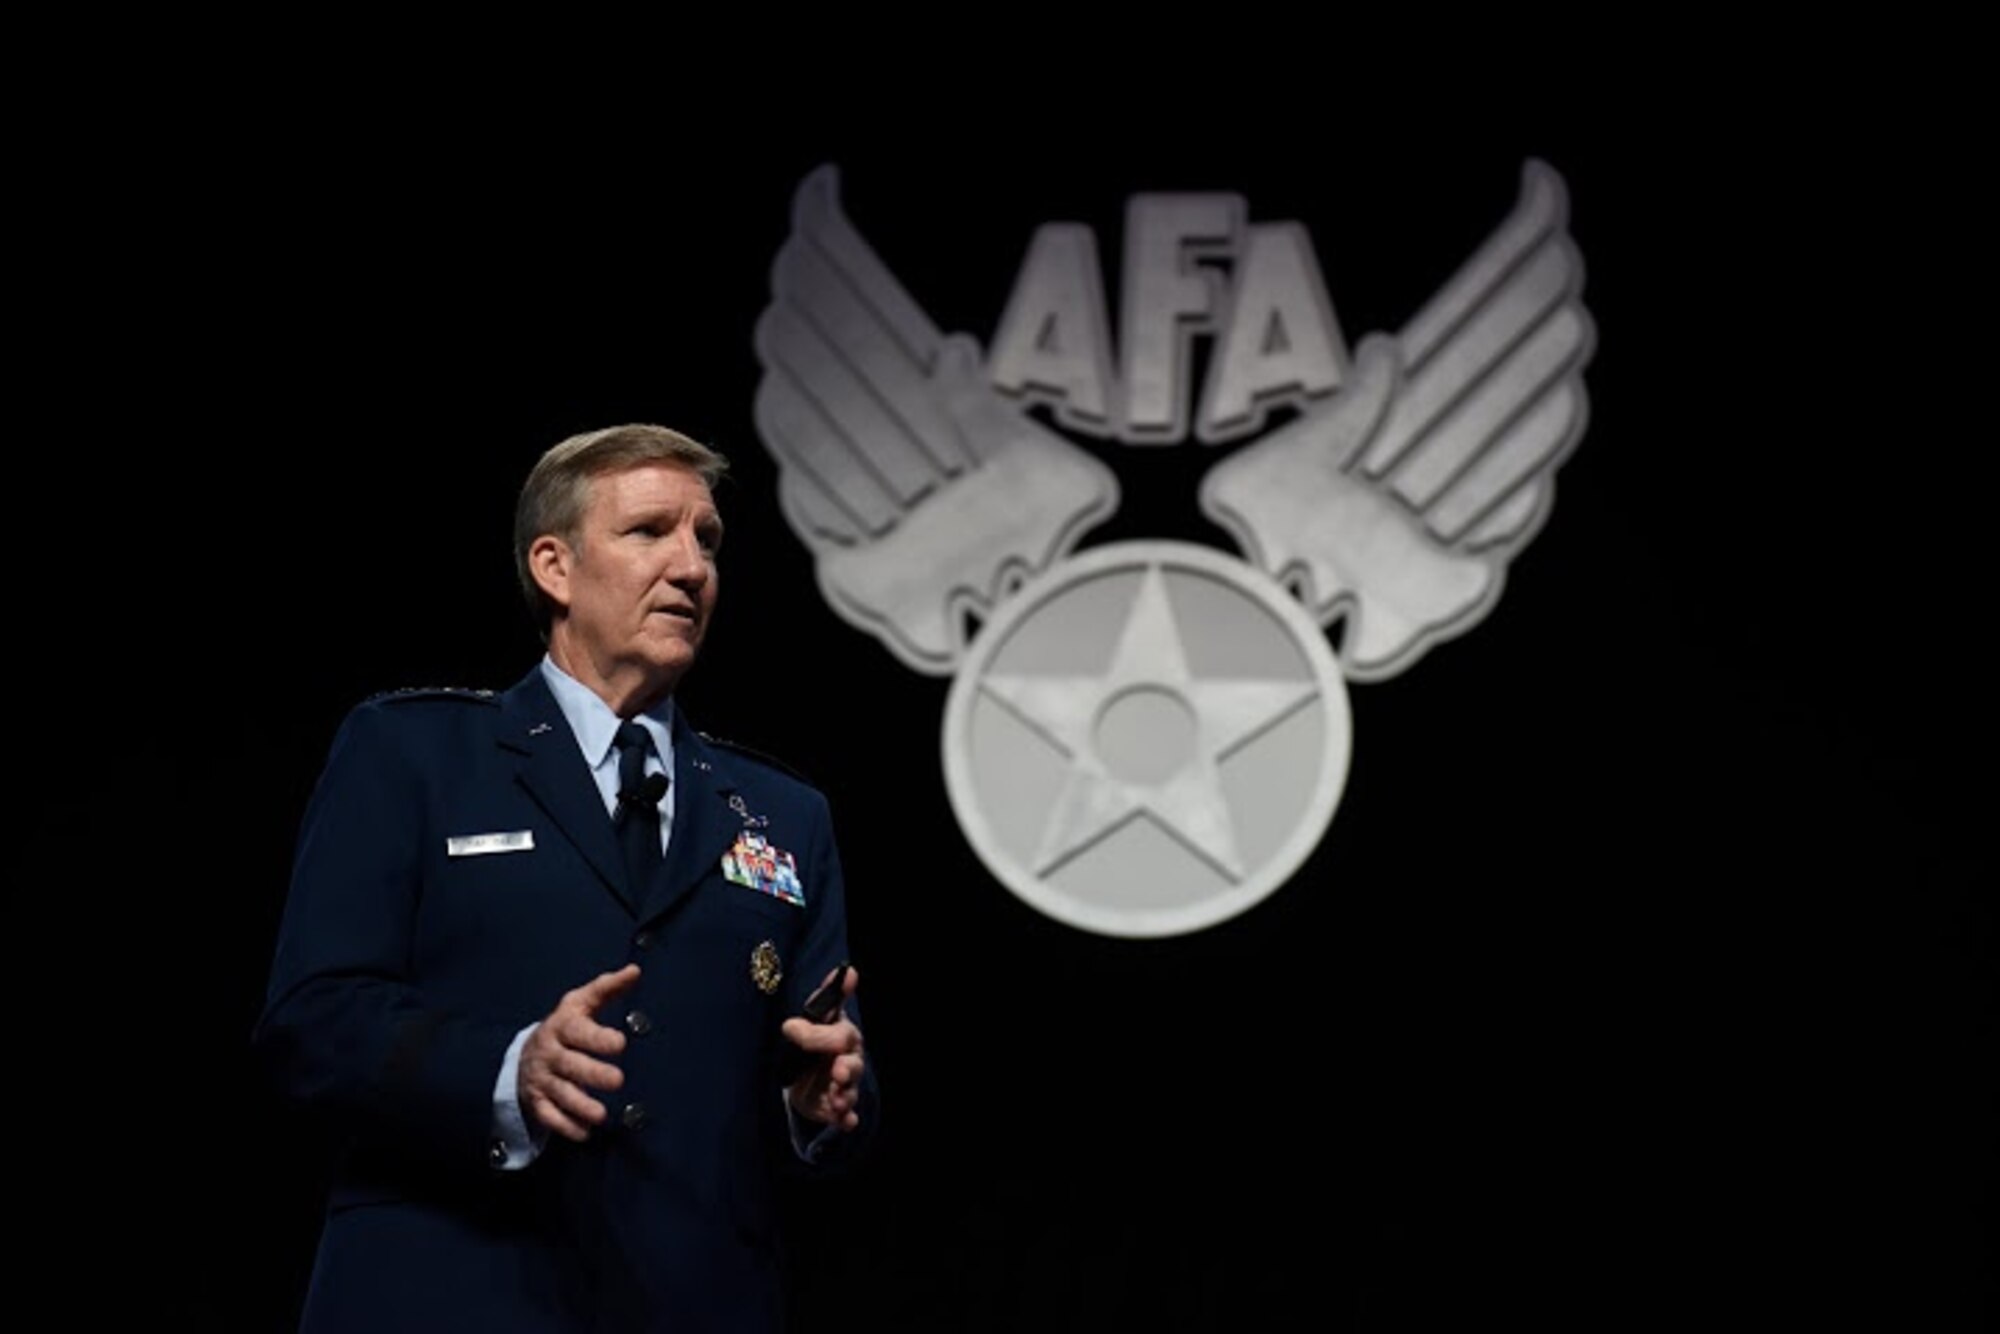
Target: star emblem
x=1144 y=738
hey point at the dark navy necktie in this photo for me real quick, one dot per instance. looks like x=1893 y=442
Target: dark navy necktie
x=638 y=818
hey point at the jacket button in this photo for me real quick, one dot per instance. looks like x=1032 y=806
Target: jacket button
x=634 y=1115
x=643 y=941
x=638 y=1023
x=497 y=1155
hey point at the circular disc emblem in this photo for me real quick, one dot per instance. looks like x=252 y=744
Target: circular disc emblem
x=1146 y=740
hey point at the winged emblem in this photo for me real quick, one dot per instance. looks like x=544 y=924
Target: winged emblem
x=923 y=494
x=1397 y=504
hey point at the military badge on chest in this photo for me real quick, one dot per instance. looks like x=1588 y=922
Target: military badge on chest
x=766 y=970
x=756 y=863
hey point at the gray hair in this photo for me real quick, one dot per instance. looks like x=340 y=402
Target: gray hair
x=558 y=490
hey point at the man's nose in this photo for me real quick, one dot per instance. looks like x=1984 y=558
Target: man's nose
x=687 y=566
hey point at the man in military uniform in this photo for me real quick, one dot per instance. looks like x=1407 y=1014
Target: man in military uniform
x=563 y=1050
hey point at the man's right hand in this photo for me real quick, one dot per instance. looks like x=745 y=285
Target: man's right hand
x=559 y=1062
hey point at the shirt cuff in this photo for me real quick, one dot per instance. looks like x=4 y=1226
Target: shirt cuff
x=809 y=1138
x=514 y=1145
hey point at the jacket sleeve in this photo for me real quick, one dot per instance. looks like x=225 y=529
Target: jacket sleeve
x=347 y=1031
x=824 y=1148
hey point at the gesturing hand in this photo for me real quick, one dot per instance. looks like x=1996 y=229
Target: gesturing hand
x=831 y=1086
x=559 y=1064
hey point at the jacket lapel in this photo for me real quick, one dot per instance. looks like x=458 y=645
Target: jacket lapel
x=551 y=768
x=705 y=825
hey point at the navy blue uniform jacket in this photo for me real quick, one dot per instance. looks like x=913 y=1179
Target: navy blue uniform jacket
x=403 y=972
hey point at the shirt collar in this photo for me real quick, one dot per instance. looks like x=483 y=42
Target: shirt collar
x=595 y=726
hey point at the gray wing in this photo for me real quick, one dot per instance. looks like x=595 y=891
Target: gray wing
x=1396 y=506
x=845 y=405
x=1492 y=397
x=923 y=494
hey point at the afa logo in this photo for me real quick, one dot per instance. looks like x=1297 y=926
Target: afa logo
x=1147 y=738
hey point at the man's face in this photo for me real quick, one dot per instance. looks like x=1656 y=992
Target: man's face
x=641 y=584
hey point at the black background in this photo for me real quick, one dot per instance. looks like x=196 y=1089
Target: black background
x=1643 y=972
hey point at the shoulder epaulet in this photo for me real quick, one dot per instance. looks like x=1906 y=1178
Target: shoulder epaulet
x=750 y=752
x=409 y=693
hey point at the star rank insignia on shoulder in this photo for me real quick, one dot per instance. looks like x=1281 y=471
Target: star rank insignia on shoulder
x=752 y=753
x=407 y=694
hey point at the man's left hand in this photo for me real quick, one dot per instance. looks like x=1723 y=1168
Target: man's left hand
x=829 y=1089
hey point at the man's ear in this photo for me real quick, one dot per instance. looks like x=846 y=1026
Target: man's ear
x=549 y=561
